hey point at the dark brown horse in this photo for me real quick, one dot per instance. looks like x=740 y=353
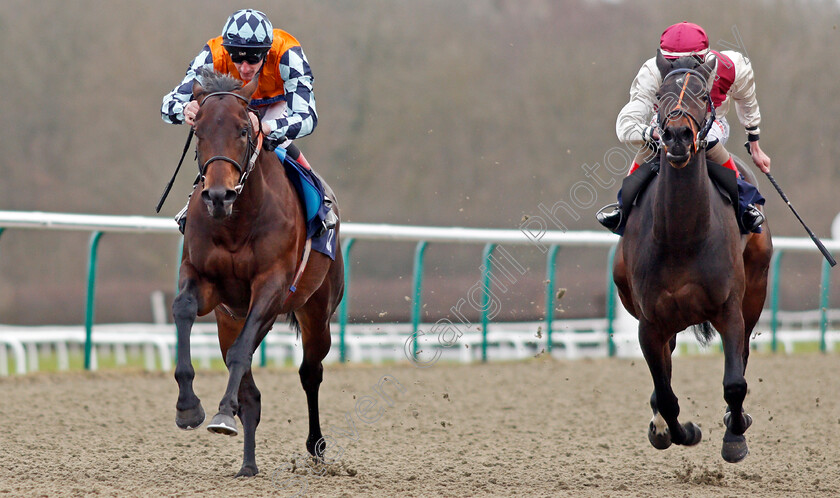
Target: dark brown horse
x=683 y=263
x=243 y=246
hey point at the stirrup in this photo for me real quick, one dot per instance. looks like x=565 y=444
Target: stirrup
x=330 y=220
x=181 y=218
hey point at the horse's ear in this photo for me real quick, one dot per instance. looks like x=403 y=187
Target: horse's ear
x=248 y=90
x=707 y=69
x=663 y=64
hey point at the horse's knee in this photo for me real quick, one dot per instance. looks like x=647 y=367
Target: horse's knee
x=235 y=360
x=185 y=306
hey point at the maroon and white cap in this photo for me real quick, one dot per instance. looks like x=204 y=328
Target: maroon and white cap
x=683 y=40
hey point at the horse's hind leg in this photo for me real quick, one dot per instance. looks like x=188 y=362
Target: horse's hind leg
x=315 y=334
x=757 y=255
x=665 y=427
x=249 y=414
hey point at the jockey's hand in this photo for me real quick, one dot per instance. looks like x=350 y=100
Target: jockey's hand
x=760 y=159
x=270 y=144
x=266 y=128
x=255 y=121
x=190 y=110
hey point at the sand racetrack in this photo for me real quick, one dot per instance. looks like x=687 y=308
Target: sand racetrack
x=535 y=428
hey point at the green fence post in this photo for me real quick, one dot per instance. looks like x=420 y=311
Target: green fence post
x=485 y=296
x=551 y=264
x=89 y=308
x=775 y=269
x=825 y=287
x=419 y=252
x=611 y=302
x=342 y=311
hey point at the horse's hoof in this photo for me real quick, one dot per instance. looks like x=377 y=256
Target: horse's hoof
x=248 y=471
x=223 y=424
x=316 y=447
x=734 y=447
x=661 y=440
x=189 y=419
x=693 y=434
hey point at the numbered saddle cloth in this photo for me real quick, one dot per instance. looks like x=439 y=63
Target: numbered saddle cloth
x=311 y=193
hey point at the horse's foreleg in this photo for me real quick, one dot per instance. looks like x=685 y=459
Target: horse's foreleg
x=664 y=427
x=734 y=387
x=249 y=414
x=238 y=357
x=189 y=413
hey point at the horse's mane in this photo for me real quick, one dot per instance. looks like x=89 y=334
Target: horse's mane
x=213 y=81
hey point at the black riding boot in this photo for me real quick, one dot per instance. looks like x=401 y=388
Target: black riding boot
x=631 y=188
x=611 y=220
x=752 y=218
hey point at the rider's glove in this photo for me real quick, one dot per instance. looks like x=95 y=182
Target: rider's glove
x=270 y=144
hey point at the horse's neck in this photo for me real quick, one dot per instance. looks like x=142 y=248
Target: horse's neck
x=270 y=192
x=682 y=204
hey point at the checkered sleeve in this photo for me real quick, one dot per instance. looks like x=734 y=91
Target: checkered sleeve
x=301 y=115
x=172 y=110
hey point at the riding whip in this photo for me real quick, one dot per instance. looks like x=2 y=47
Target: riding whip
x=169 y=185
x=816 y=239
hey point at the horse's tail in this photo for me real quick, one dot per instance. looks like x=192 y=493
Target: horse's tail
x=293 y=322
x=704 y=332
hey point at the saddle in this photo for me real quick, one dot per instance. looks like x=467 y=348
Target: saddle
x=311 y=190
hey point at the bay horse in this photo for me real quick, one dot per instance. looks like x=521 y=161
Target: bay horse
x=683 y=262
x=243 y=247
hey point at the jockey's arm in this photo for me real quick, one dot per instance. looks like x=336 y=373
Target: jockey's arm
x=176 y=101
x=633 y=123
x=301 y=114
x=743 y=95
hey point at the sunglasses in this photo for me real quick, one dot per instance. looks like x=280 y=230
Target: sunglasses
x=249 y=57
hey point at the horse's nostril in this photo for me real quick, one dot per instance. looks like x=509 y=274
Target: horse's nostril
x=230 y=196
x=205 y=196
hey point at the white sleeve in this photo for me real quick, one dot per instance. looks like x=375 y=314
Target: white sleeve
x=635 y=115
x=742 y=92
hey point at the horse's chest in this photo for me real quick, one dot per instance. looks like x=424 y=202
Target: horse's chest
x=690 y=293
x=221 y=264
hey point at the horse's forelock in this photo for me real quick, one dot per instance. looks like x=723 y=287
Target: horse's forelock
x=213 y=81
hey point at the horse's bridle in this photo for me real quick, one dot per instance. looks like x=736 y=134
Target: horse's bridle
x=251 y=153
x=702 y=130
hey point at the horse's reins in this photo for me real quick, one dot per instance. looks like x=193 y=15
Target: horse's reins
x=700 y=131
x=251 y=152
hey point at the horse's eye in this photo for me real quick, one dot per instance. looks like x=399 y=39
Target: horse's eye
x=244 y=132
x=667 y=135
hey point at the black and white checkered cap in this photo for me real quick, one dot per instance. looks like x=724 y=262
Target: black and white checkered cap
x=248 y=28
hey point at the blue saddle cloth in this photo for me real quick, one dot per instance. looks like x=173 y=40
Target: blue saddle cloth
x=311 y=194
